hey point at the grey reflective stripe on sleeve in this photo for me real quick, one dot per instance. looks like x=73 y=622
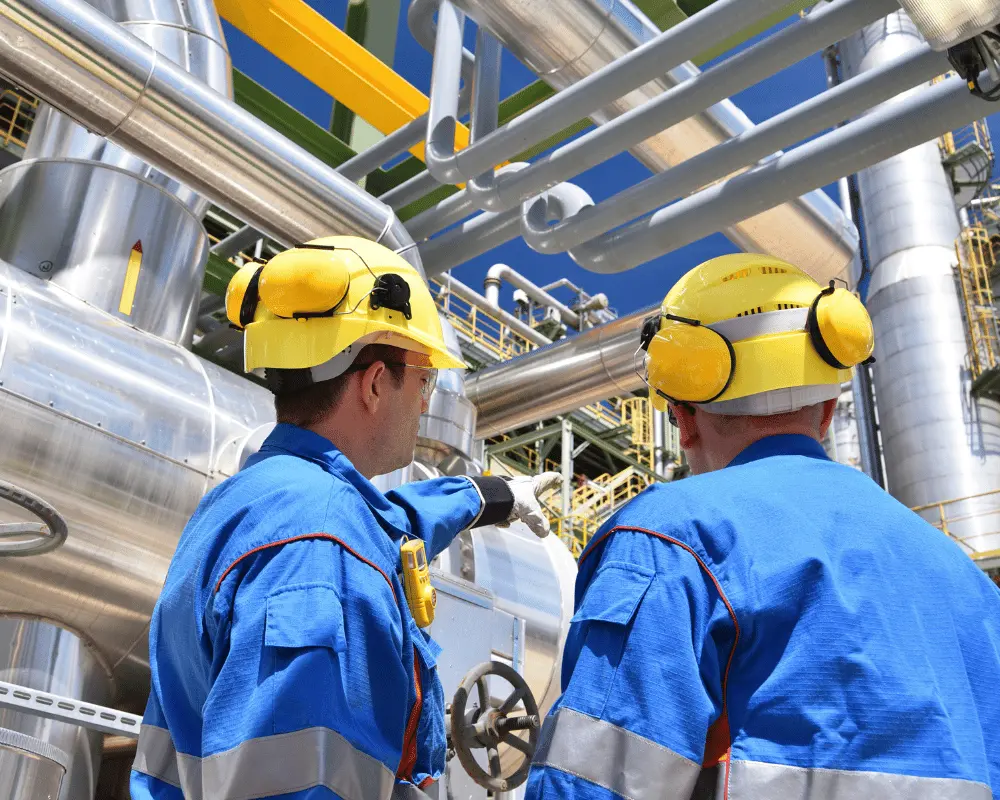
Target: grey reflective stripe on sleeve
x=754 y=780
x=270 y=765
x=618 y=760
x=155 y=755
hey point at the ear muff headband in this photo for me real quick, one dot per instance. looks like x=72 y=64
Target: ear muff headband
x=702 y=361
x=250 y=299
x=825 y=338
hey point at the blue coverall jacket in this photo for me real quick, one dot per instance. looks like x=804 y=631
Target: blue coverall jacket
x=285 y=661
x=781 y=629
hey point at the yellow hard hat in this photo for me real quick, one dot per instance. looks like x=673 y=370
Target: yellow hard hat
x=749 y=334
x=313 y=302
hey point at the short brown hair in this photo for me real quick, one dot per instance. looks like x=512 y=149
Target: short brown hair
x=309 y=405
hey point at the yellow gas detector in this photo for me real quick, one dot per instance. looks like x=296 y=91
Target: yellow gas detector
x=420 y=595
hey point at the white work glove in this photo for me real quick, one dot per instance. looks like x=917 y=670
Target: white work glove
x=527 y=509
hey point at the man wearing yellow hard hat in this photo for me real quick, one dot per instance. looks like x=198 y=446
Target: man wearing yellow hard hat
x=286 y=652
x=775 y=627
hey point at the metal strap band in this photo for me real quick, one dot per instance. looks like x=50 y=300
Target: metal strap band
x=752 y=325
x=270 y=765
x=754 y=780
x=611 y=757
x=36 y=747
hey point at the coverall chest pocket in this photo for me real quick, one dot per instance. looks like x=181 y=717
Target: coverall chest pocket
x=304 y=646
x=599 y=630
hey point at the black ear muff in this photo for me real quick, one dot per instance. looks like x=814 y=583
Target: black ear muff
x=250 y=299
x=650 y=327
x=393 y=292
x=840 y=328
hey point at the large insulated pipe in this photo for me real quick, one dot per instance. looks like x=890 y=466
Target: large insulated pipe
x=568 y=43
x=939 y=443
x=560 y=378
x=109 y=81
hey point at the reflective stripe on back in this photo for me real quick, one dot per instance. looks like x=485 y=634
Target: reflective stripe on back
x=755 y=780
x=270 y=765
x=616 y=759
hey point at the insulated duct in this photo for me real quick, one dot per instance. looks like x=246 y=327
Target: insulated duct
x=939 y=443
x=564 y=42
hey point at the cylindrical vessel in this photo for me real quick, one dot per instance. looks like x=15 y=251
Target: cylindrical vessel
x=940 y=444
x=122 y=432
x=41 y=759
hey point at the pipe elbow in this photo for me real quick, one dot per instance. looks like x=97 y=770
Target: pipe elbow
x=442 y=162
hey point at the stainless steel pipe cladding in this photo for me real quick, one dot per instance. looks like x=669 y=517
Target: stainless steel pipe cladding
x=939 y=443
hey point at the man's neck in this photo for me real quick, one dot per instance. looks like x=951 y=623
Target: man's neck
x=349 y=441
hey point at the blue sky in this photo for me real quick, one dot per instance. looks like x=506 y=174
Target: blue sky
x=628 y=291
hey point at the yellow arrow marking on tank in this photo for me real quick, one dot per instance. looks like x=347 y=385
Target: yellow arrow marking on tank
x=131 y=278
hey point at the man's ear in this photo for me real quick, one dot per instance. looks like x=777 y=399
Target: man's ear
x=372 y=386
x=829 y=407
x=687 y=424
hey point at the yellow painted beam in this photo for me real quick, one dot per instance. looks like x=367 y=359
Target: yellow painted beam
x=321 y=52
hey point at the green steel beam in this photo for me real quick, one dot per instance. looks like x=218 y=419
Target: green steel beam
x=218 y=271
x=525 y=438
x=355 y=26
x=614 y=451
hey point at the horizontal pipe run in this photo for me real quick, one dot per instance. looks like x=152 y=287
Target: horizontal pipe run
x=470 y=239
x=410 y=190
x=680 y=44
x=845 y=101
x=78 y=60
x=473 y=298
x=583 y=369
x=399 y=141
x=829 y=24
x=879 y=135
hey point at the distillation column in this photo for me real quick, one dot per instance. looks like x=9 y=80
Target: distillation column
x=939 y=443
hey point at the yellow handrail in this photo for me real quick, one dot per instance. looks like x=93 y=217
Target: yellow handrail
x=17 y=114
x=946 y=521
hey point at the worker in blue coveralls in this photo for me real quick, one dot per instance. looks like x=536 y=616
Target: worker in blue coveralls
x=775 y=627
x=285 y=659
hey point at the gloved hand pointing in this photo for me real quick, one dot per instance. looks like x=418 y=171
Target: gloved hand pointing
x=527 y=490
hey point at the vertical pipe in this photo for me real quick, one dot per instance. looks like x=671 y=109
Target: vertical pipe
x=939 y=443
x=566 y=465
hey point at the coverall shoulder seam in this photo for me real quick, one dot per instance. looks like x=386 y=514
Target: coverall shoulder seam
x=719 y=732
x=303 y=537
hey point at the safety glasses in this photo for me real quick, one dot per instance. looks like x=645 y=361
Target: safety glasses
x=426 y=389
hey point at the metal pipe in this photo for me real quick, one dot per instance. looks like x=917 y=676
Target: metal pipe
x=420 y=19
x=567 y=42
x=235 y=242
x=499 y=273
x=470 y=239
x=790 y=45
x=839 y=103
x=558 y=379
x=473 y=298
x=449 y=211
x=939 y=442
x=881 y=134
x=409 y=190
x=79 y=61
x=643 y=64
x=864 y=406
x=485 y=114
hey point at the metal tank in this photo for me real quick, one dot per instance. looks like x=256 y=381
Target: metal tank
x=939 y=443
x=123 y=432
